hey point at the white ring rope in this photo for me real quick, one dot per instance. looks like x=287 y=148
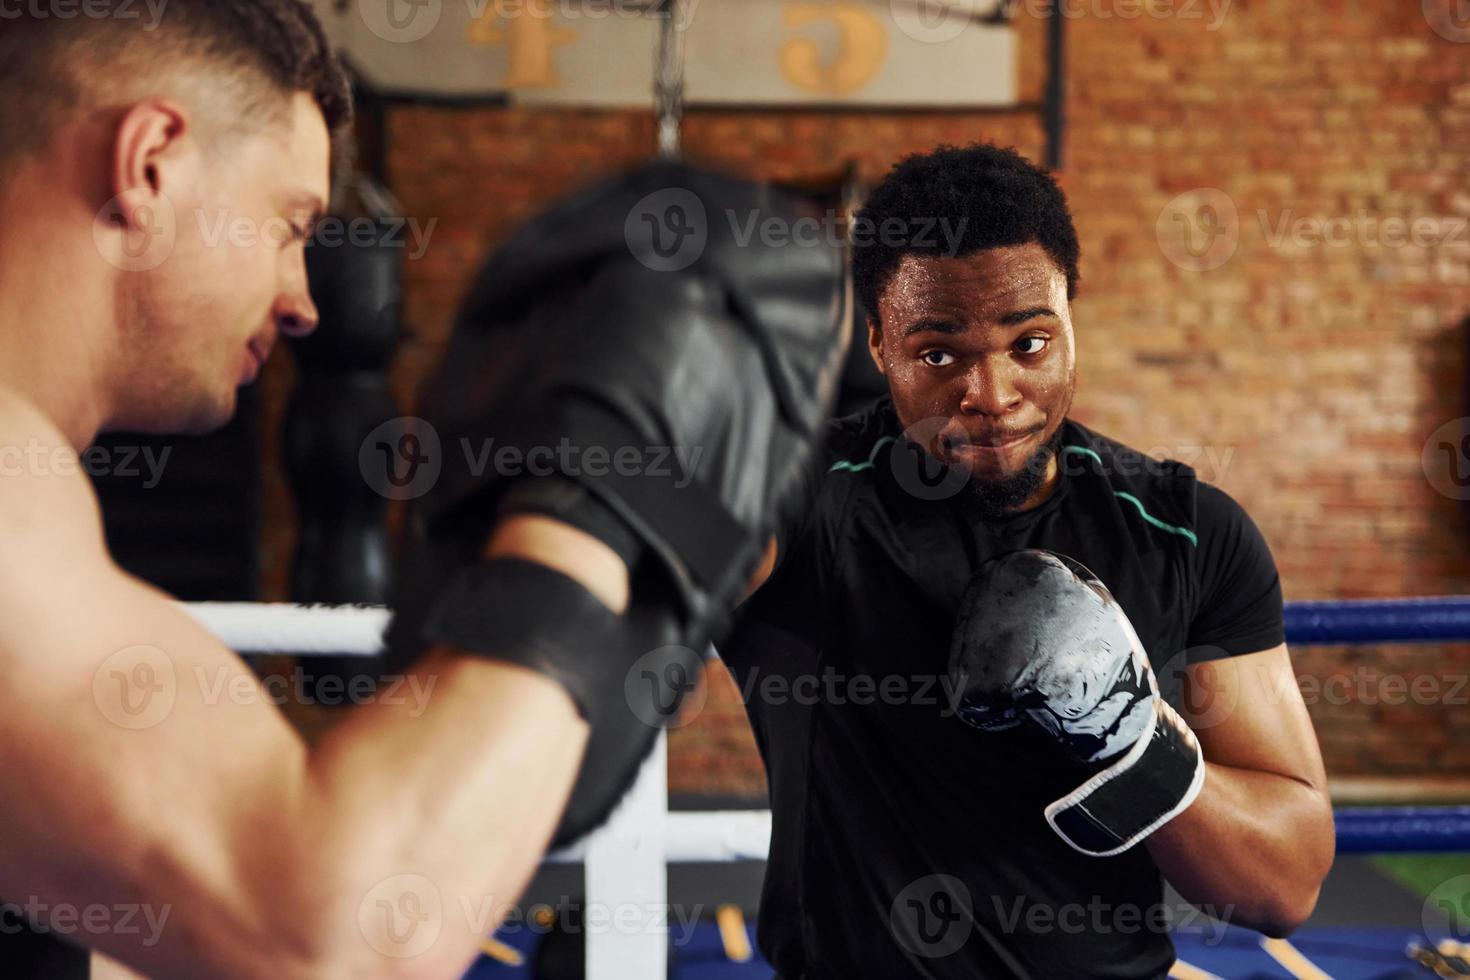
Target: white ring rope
x=312 y=631
x=281 y=627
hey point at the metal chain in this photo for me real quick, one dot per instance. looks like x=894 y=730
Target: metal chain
x=668 y=83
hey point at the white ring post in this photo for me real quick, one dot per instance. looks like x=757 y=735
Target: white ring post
x=627 y=881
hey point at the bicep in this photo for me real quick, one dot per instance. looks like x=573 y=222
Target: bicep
x=1248 y=713
x=763 y=572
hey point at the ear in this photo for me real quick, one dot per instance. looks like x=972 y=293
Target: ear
x=151 y=139
x=151 y=161
x=875 y=344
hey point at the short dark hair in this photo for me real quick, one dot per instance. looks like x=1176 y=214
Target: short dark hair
x=1001 y=197
x=266 y=49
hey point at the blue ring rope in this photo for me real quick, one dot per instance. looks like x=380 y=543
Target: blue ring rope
x=1401 y=829
x=1424 y=620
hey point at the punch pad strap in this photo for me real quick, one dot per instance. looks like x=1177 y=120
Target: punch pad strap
x=525 y=613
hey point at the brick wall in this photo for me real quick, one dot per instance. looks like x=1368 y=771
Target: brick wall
x=1302 y=377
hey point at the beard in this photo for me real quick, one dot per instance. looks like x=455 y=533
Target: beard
x=999 y=498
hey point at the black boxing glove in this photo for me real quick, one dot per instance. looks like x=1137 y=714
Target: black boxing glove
x=1040 y=640
x=667 y=402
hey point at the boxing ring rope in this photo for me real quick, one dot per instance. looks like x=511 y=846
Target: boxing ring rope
x=281 y=627
x=1423 y=620
x=626 y=861
x=252 y=627
x=1402 y=829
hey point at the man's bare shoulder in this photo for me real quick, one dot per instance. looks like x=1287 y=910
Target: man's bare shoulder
x=46 y=499
x=19 y=413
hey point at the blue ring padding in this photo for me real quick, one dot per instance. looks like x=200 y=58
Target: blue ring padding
x=1437 y=618
x=1369 y=830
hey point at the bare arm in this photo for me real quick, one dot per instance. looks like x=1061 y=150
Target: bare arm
x=143 y=766
x=1257 y=842
x=763 y=573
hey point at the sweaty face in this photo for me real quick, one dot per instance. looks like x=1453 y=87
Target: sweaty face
x=980 y=360
x=204 y=321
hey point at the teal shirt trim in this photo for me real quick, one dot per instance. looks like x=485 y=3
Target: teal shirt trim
x=1183 y=532
x=853 y=467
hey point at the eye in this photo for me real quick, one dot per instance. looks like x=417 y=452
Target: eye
x=1031 y=345
x=302 y=224
x=937 y=358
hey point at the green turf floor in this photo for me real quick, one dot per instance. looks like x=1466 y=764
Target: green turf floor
x=1446 y=877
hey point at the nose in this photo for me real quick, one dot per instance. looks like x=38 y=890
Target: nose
x=295 y=313
x=990 y=388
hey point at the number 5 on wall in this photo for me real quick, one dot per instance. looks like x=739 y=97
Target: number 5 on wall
x=862 y=47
